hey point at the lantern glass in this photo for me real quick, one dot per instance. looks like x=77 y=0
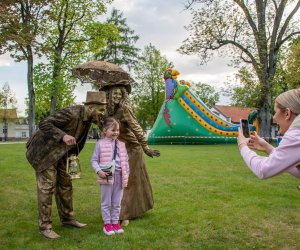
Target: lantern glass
x=73 y=167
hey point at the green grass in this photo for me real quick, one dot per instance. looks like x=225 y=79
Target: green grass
x=205 y=198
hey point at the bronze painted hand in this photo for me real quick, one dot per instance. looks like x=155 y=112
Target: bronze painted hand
x=152 y=152
x=69 y=140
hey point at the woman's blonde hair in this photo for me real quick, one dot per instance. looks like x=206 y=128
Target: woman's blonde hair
x=289 y=99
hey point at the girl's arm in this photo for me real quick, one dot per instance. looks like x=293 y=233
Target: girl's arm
x=95 y=158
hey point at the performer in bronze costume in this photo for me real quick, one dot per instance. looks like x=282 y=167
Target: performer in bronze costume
x=59 y=135
x=137 y=197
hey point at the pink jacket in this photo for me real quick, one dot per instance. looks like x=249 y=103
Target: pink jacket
x=106 y=156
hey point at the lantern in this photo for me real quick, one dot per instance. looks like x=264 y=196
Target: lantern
x=73 y=167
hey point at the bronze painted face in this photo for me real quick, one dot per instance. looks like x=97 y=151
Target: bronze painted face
x=116 y=95
x=97 y=112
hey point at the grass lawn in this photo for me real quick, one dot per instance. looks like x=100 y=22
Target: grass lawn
x=205 y=198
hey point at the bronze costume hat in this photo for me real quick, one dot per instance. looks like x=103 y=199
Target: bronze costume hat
x=95 y=97
x=103 y=75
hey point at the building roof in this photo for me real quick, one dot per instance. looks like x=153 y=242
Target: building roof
x=8 y=114
x=235 y=113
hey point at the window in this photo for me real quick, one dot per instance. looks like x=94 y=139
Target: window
x=23 y=134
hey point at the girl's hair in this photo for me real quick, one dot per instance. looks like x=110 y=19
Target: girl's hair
x=110 y=122
x=289 y=99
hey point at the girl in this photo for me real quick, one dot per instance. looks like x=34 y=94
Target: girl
x=110 y=152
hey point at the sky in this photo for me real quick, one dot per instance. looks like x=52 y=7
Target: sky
x=160 y=23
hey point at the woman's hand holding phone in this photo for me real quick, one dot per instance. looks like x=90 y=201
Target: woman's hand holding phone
x=241 y=139
x=256 y=142
x=244 y=134
x=245 y=127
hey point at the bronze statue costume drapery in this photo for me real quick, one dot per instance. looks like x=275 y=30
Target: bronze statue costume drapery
x=137 y=197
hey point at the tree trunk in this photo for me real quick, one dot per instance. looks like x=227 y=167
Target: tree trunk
x=55 y=92
x=264 y=121
x=56 y=78
x=265 y=110
x=31 y=94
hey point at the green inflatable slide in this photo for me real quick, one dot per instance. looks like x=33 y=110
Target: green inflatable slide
x=185 y=119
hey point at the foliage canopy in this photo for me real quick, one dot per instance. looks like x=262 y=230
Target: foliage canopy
x=149 y=93
x=252 y=32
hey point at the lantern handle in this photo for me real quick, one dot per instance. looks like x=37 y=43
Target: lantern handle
x=77 y=150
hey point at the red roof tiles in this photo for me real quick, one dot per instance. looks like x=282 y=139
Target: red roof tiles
x=235 y=113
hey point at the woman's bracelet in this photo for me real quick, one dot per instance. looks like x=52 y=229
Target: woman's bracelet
x=242 y=143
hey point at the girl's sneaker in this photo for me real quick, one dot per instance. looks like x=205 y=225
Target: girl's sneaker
x=108 y=229
x=117 y=228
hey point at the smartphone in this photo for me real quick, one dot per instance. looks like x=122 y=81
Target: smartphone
x=245 y=127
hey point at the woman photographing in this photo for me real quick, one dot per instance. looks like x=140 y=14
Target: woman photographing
x=286 y=157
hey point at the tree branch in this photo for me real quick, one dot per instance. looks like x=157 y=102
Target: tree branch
x=275 y=4
x=59 y=18
x=286 y=23
x=286 y=38
x=248 y=16
x=189 y=4
x=243 y=49
x=278 y=17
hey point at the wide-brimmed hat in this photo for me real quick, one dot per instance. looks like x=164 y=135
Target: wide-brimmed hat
x=95 y=97
x=106 y=86
x=103 y=75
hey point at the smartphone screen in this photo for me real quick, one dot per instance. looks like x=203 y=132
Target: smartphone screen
x=245 y=128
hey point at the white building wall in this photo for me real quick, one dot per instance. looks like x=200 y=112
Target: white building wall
x=15 y=131
x=22 y=131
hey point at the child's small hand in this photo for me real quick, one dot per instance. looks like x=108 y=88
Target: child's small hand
x=108 y=173
x=101 y=174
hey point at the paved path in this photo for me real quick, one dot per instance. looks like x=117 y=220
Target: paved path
x=19 y=142
x=12 y=142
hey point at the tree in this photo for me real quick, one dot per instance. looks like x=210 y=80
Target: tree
x=246 y=93
x=121 y=51
x=293 y=65
x=43 y=85
x=252 y=31
x=148 y=94
x=20 y=22
x=71 y=34
x=206 y=93
x=7 y=100
x=7 y=97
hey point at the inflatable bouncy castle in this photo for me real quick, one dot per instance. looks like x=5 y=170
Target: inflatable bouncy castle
x=185 y=119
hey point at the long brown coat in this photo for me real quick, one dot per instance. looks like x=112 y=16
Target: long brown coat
x=137 y=197
x=46 y=147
